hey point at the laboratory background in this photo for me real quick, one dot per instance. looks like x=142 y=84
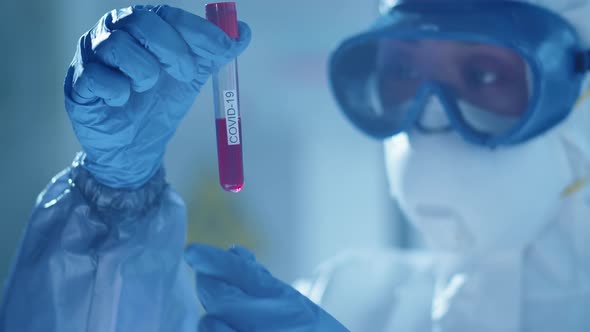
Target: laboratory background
x=314 y=186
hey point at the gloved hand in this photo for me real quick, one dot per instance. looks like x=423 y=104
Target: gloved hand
x=240 y=295
x=134 y=76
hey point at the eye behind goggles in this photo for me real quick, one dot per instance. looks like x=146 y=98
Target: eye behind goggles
x=503 y=72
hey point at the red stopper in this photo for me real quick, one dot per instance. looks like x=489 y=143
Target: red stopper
x=224 y=15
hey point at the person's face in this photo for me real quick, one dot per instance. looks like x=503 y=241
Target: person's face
x=490 y=77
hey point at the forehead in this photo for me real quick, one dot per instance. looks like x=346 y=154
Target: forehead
x=440 y=48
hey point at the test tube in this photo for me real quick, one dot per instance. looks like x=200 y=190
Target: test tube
x=227 y=104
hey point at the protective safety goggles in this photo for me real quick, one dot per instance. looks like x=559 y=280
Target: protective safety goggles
x=501 y=72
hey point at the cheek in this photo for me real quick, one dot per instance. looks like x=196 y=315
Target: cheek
x=396 y=150
x=500 y=197
x=414 y=174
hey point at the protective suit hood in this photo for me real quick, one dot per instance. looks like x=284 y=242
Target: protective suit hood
x=513 y=220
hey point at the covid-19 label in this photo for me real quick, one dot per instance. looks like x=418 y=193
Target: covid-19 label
x=230 y=102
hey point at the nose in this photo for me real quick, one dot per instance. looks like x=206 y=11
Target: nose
x=433 y=118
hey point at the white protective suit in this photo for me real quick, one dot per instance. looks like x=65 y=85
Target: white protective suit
x=507 y=233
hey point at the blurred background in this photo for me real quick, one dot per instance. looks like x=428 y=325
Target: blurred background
x=314 y=185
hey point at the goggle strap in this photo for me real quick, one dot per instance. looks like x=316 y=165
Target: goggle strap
x=583 y=62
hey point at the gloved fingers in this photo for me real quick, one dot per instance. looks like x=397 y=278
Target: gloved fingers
x=213 y=292
x=212 y=324
x=227 y=266
x=246 y=312
x=243 y=252
x=205 y=38
x=158 y=37
x=245 y=38
x=95 y=80
x=238 y=46
x=123 y=52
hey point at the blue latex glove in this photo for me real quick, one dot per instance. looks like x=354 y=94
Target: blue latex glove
x=132 y=80
x=239 y=294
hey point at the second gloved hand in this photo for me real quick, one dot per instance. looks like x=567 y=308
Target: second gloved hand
x=134 y=76
x=239 y=295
